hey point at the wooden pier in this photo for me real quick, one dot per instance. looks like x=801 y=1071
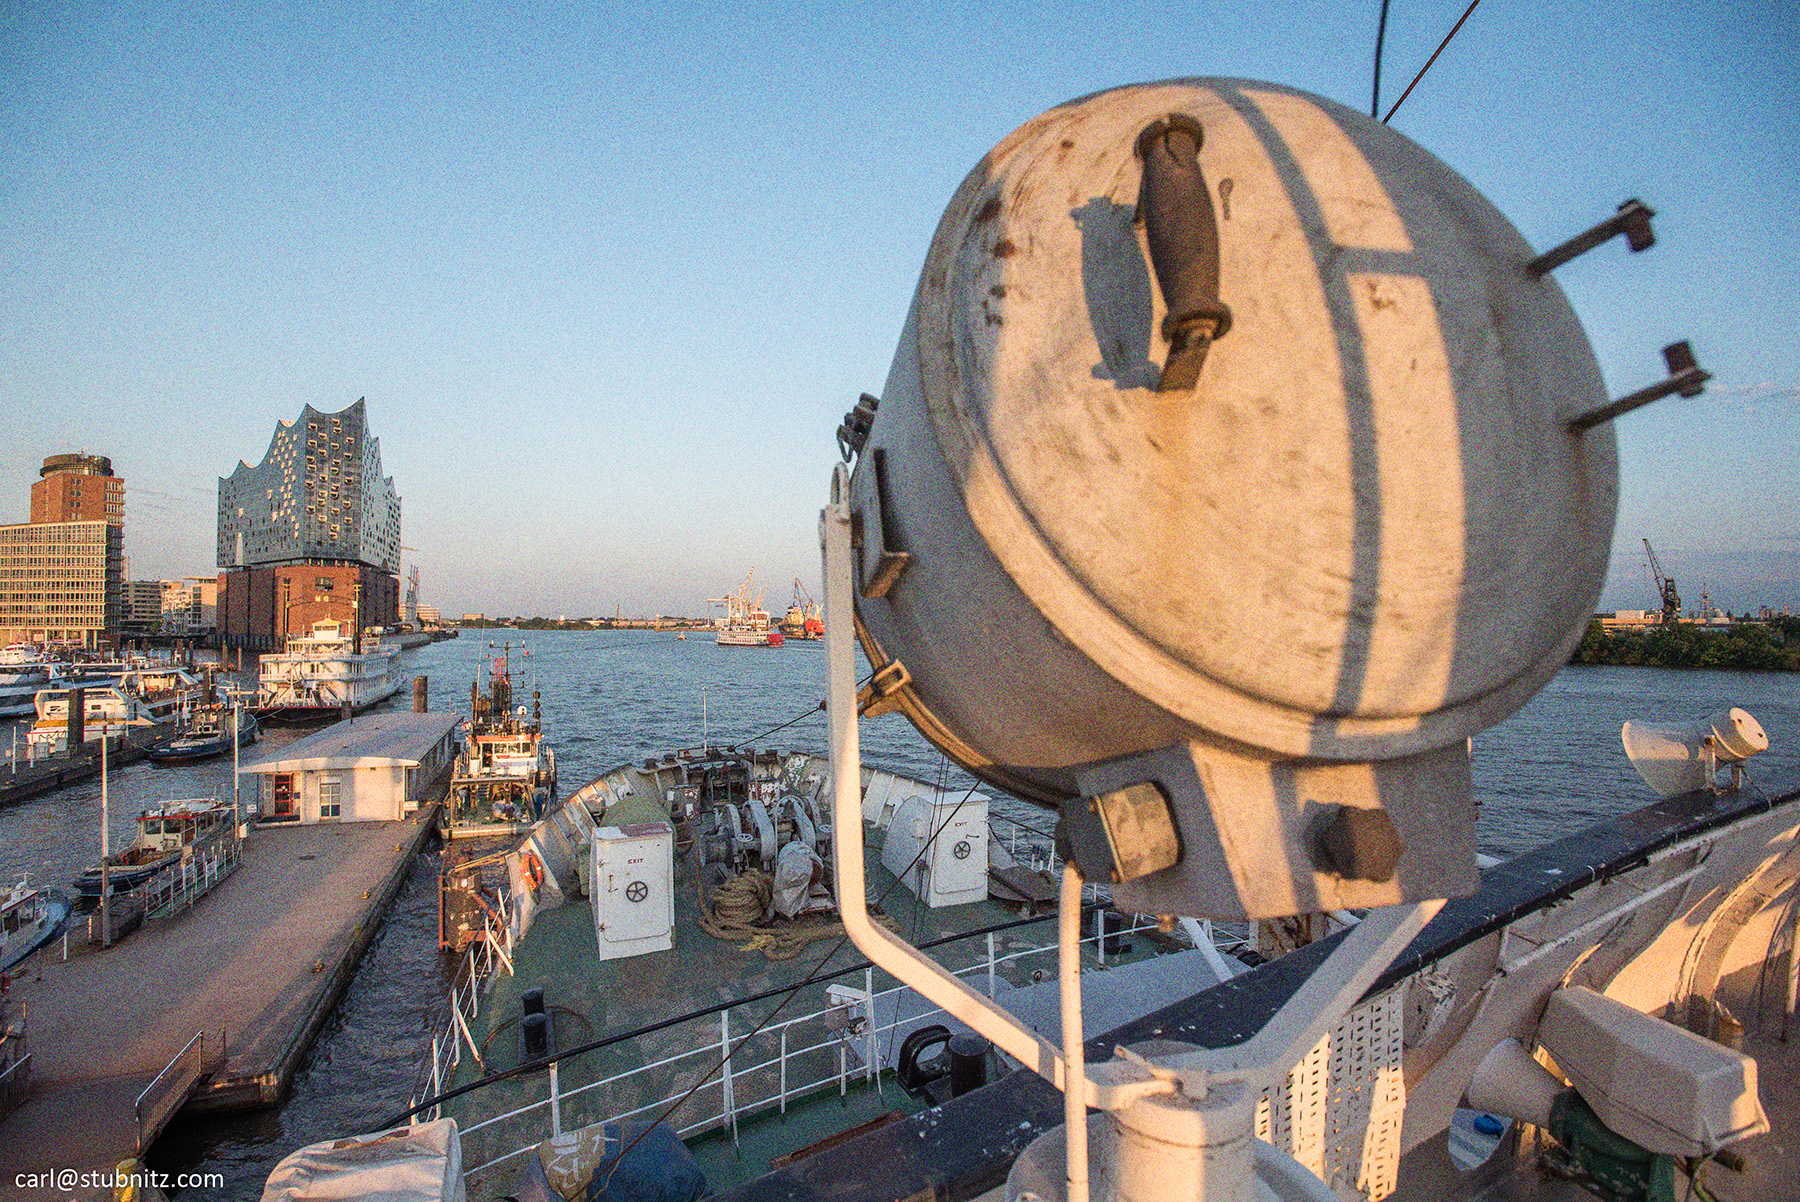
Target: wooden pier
x=122 y=1039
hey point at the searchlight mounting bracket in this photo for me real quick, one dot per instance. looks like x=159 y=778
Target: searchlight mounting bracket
x=1191 y=1111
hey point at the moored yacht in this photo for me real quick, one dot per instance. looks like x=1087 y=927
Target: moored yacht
x=140 y=697
x=24 y=670
x=323 y=672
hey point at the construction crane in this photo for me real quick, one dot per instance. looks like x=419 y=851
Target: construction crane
x=1665 y=587
x=809 y=624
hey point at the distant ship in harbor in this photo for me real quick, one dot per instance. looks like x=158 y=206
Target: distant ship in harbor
x=746 y=623
x=803 y=620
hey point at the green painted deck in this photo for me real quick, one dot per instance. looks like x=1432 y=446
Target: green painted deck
x=590 y=999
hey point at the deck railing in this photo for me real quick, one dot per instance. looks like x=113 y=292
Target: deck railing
x=787 y=1059
x=180 y=885
x=170 y=1088
x=15 y=1082
x=489 y=951
x=847 y=1039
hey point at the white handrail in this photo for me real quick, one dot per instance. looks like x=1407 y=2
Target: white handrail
x=732 y=1103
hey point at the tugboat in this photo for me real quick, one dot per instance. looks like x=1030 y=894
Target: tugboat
x=168 y=834
x=208 y=734
x=505 y=776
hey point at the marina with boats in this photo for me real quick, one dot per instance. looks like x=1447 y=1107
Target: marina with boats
x=588 y=1005
x=114 y=703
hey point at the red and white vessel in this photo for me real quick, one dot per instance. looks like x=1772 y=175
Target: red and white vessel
x=746 y=623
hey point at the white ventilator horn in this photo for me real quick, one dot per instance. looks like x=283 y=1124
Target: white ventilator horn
x=1679 y=759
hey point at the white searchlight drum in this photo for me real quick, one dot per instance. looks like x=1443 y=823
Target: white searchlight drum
x=1223 y=485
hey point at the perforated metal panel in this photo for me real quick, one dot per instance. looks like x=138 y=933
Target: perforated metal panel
x=1339 y=1110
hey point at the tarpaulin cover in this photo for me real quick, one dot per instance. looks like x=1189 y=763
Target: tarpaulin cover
x=421 y=1163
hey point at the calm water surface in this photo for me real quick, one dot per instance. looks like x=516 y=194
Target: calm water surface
x=613 y=696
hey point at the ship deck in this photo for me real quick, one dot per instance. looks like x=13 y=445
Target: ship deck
x=822 y=1086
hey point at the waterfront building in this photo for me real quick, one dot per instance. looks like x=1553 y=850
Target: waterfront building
x=140 y=607
x=60 y=582
x=61 y=573
x=78 y=488
x=430 y=615
x=310 y=532
x=376 y=768
x=190 y=607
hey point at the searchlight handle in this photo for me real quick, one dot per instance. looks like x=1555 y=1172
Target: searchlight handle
x=1176 y=210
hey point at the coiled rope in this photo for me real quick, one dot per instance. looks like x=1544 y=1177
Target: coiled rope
x=740 y=902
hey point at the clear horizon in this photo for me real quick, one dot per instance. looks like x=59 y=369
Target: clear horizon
x=609 y=278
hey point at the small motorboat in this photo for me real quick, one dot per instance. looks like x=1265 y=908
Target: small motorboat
x=29 y=918
x=207 y=734
x=167 y=834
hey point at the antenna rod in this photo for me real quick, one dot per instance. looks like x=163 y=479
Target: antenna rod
x=1380 y=36
x=1429 y=61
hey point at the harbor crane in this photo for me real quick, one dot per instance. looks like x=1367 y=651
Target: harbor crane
x=1665 y=587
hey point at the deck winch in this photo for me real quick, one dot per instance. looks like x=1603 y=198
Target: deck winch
x=745 y=817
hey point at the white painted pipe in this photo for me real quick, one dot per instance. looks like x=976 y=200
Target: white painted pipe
x=881 y=946
x=1068 y=964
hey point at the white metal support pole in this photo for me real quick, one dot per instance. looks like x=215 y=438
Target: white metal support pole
x=105 y=849
x=727 y=1095
x=237 y=737
x=1068 y=965
x=882 y=947
x=555 y=1099
x=872 y=1071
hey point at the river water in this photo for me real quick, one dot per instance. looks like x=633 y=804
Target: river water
x=609 y=697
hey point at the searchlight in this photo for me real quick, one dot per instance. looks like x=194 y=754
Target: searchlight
x=1677 y=759
x=1237 y=463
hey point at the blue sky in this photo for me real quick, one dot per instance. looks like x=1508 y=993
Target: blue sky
x=609 y=276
